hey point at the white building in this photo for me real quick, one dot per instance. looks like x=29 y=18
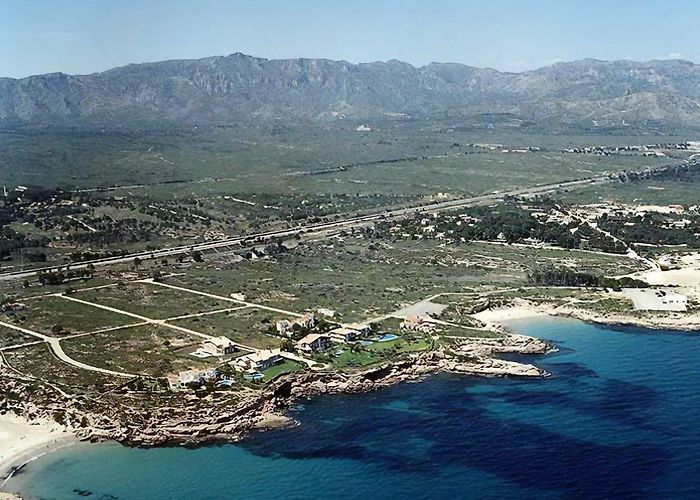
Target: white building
x=182 y=379
x=258 y=361
x=314 y=342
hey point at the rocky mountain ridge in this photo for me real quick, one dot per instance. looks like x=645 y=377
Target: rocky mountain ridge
x=235 y=89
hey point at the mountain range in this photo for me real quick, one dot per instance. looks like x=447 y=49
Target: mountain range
x=241 y=89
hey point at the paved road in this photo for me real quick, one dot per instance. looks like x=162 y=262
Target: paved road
x=337 y=224
x=55 y=346
x=315 y=227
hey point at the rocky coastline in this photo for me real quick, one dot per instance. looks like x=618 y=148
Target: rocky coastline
x=169 y=419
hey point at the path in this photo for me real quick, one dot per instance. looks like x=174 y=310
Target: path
x=217 y=297
x=55 y=346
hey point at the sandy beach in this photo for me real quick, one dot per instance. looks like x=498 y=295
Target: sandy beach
x=519 y=310
x=21 y=441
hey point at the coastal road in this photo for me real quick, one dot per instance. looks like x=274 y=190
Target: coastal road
x=313 y=228
x=336 y=225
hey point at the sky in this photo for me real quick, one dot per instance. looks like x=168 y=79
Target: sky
x=87 y=36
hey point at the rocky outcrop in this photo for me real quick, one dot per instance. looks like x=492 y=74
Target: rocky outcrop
x=158 y=419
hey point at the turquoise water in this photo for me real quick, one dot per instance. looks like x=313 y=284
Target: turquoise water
x=620 y=417
x=387 y=337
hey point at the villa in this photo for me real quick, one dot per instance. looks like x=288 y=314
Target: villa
x=258 y=361
x=287 y=326
x=362 y=328
x=343 y=335
x=218 y=346
x=182 y=379
x=314 y=342
x=417 y=324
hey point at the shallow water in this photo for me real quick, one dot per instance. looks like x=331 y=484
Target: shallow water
x=618 y=417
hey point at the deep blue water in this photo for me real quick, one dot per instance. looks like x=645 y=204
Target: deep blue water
x=620 y=417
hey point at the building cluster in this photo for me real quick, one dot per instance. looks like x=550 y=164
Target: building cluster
x=258 y=361
x=417 y=324
x=185 y=378
x=215 y=347
x=288 y=327
x=645 y=150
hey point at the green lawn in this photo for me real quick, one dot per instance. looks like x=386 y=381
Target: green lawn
x=280 y=368
x=377 y=352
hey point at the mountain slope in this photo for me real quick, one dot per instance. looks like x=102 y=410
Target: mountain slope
x=241 y=89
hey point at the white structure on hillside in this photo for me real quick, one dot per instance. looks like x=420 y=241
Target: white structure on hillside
x=314 y=342
x=182 y=379
x=258 y=361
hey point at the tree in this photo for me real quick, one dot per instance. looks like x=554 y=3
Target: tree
x=287 y=345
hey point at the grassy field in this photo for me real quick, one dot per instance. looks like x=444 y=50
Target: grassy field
x=376 y=352
x=151 y=301
x=254 y=159
x=640 y=193
x=8 y=336
x=280 y=368
x=247 y=326
x=44 y=314
x=360 y=282
x=143 y=350
x=37 y=361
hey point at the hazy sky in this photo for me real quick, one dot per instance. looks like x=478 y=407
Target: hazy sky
x=85 y=36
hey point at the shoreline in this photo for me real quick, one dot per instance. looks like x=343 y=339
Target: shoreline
x=29 y=439
x=23 y=441
x=522 y=309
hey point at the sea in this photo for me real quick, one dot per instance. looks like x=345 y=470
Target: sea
x=619 y=417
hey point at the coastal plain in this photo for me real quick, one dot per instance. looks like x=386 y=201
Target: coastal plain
x=110 y=340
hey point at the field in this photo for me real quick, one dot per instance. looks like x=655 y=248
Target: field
x=359 y=280
x=38 y=362
x=249 y=326
x=641 y=193
x=144 y=350
x=151 y=301
x=9 y=337
x=255 y=161
x=45 y=315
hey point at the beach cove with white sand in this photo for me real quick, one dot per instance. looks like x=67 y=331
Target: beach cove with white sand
x=22 y=441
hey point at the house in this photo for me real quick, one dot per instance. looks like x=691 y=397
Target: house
x=417 y=324
x=343 y=335
x=218 y=346
x=287 y=326
x=362 y=328
x=182 y=379
x=14 y=306
x=258 y=361
x=328 y=313
x=314 y=342
x=283 y=326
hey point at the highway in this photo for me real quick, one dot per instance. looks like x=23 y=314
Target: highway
x=313 y=228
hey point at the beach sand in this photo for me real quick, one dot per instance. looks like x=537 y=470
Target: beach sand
x=21 y=441
x=520 y=310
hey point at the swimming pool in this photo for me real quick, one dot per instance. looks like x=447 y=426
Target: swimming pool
x=387 y=337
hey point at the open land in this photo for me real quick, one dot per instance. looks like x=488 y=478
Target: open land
x=204 y=344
